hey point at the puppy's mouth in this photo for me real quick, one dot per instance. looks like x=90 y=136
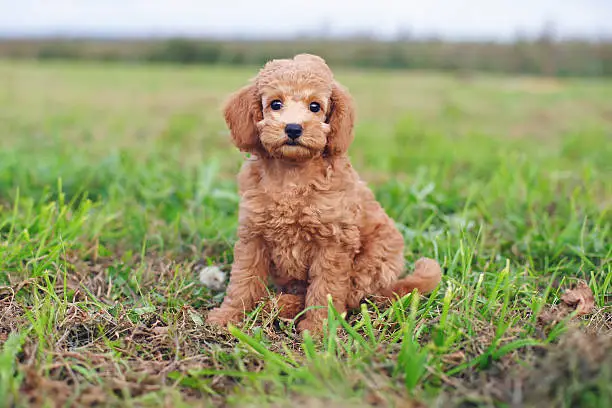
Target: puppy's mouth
x=291 y=142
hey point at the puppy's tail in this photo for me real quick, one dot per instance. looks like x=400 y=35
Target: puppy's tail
x=426 y=276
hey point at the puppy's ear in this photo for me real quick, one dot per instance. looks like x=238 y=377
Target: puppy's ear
x=242 y=111
x=341 y=119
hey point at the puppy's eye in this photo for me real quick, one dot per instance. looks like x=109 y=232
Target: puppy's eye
x=276 y=104
x=314 y=107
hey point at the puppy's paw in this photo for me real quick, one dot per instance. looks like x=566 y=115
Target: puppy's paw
x=222 y=316
x=314 y=327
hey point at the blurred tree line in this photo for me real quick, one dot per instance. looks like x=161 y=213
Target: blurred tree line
x=537 y=56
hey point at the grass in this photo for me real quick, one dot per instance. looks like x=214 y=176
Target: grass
x=117 y=181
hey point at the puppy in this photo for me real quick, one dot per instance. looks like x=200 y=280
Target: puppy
x=307 y=222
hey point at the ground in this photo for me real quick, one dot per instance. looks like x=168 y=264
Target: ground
x=117 y=186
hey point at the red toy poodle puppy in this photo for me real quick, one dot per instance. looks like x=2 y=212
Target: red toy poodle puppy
x=307 y=222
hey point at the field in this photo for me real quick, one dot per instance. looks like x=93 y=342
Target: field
x=117 y=185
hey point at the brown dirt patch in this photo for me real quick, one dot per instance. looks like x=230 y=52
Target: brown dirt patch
x=11 y=314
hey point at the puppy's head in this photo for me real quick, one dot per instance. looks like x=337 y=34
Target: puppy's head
x=293 y=110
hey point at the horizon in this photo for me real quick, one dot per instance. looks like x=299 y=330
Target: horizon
x=477 y=20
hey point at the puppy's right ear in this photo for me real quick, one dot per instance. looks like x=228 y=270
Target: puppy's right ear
x=242 y=111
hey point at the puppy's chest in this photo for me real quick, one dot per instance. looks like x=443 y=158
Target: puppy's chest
x=296 y=222
x=294 y=216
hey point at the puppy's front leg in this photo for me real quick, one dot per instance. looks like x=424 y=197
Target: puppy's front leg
x=329 y=274
x=247 y=284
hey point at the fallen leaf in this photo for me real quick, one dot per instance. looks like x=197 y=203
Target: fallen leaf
x=553 y=314
x=581 y=297
x=196 y=318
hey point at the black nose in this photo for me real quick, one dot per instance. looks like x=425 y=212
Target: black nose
x=293 y=130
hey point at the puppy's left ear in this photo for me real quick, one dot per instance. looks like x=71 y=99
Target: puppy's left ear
x=242 y=111
x=341 y=119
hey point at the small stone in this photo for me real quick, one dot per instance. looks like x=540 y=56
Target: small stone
x=212 y=277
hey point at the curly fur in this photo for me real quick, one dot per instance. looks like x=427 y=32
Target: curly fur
x=307 y=222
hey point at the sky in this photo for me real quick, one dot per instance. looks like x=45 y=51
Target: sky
x=468 y=19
